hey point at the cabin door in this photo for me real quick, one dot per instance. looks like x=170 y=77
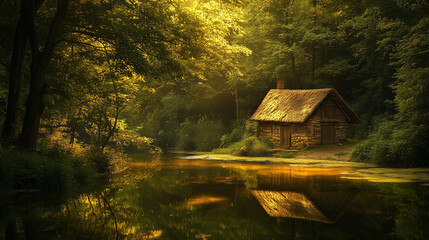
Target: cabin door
x=328 y=134
x=285 y=136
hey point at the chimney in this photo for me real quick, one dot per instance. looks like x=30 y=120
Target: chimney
x=280 y=84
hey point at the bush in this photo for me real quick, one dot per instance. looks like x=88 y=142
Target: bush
x=252 y=129
x=82 y=170
x=362 y=152
x=99 y=160
x=252 y=146
x=228 y=150
x=393 y=145
x=249 y=145
x=235 y=135
x=28 y=170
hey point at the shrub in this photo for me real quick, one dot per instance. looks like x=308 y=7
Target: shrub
x=390 y=146
x=252 y=129
x=235 y=135
x=82 y=170
x=99 y=160
x=252 y=146
x=29 y=169
x=228 y=150
x=361 y=153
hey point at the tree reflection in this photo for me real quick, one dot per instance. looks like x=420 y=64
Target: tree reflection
x=197 y=200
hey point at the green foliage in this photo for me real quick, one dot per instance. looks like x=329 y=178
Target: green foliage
x=33 y=170
x=99 y=159
x=227 y=150
x=361 y=153
x=235 y=135
x=170 y=76
x=252 y=146
x=252 y=129
x=208 y=135
x=246 y=140
x=403 y=141
x=187 y=136
x=202 y=136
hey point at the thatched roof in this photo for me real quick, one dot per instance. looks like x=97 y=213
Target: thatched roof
x=297 y=106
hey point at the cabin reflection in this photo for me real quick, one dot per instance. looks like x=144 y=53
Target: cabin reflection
x=304 y=195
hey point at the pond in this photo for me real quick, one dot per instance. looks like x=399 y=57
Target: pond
x=199 y=199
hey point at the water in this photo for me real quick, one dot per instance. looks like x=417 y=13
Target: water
x=196 y=199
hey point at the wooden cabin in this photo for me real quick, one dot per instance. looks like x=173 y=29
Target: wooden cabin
x=296 y=119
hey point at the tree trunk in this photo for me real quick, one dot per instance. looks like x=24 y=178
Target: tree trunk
x=111 y=130
x=39 y=64
x=313 y=48
x=236 y=104
x=19 y=44
x=73 y=131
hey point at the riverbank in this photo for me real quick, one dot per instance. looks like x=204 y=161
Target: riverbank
x=349 y=170
x=329 y=152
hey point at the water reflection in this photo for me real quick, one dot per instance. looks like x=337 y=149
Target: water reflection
x=313 y=194
x=191 y=199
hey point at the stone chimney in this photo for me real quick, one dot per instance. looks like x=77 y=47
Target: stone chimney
x=280 y=84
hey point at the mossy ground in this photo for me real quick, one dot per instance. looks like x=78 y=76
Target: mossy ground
x=329 y=152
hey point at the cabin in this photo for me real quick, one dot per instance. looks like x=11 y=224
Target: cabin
x=297 y=119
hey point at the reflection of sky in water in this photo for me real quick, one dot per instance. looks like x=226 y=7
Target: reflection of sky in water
x=193 y=199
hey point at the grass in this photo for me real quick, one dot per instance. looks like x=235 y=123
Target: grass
x=227 y=150
x=325 y=152
x=339 y=154
x=287 y=154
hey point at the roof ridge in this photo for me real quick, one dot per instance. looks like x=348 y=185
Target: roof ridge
x=296 y=105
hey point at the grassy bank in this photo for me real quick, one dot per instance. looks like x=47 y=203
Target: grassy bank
x=254 y=148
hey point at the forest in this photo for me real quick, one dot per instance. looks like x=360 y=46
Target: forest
x=85 y=83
